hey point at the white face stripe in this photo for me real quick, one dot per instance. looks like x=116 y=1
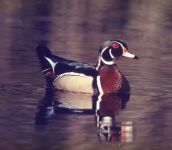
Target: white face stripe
x=111 y=55
x=53 y=64
x=104 y=61
x=103 y=50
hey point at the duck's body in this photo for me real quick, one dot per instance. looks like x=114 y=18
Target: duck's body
x=67 y=75
x=75 y=76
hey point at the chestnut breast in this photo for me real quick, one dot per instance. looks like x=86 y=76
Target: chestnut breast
x=111 y=79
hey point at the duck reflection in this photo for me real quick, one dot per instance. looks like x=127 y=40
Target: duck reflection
x=105 y=108
x=45 y=107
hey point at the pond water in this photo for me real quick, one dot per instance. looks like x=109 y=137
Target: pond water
x=35 y=118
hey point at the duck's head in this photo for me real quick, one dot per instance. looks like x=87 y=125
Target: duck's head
x=110 y=51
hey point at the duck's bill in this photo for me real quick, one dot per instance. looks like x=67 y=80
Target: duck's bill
x=129 y=55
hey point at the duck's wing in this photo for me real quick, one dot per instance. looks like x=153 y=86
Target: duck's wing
x=55 y=64
x=75 y=67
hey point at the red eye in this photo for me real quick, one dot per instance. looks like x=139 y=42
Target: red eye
x=115 y=45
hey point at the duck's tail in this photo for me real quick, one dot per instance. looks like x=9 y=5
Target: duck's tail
x=46 y=60
x=43 y=53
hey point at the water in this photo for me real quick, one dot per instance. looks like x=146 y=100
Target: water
x=75 y=29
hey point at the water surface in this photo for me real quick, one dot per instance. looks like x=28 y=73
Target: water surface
x=75 y=29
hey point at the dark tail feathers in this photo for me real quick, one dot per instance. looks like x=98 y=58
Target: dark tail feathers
x=42 y=52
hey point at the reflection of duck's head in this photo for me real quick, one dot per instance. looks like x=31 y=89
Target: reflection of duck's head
x=109 y=131
x=108 y=107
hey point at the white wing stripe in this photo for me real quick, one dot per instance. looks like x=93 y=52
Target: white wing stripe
x=53 y=64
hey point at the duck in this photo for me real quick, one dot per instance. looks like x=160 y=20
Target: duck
x=74 y=76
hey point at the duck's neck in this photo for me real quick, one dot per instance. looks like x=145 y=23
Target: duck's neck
x=101 y=64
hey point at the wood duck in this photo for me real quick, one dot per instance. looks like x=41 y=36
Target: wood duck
x=73 y=76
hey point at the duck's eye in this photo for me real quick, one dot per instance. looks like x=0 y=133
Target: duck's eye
x=115 y=45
